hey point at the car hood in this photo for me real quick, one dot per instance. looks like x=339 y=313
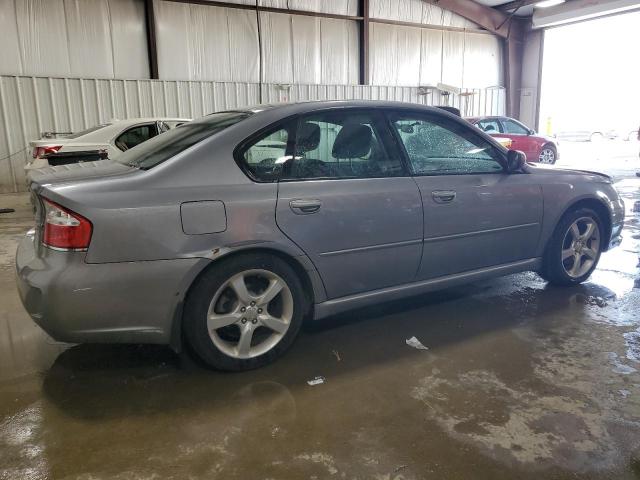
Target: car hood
x=77 y=171
x=547 y=138
x=553 y=170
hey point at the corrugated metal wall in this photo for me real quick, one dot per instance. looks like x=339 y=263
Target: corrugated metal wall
x=91 y=45
x=200 y=42
x=79 y=38
x=32 y=105
x=107 y=39
x=409 y=55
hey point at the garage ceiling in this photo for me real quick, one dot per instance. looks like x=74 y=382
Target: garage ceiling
x=558 y=12
x=525 y=10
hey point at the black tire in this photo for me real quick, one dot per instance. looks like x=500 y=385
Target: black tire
x=202 y=292
x=553 y=149
x=553 y=270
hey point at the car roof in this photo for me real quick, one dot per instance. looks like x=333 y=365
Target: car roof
x=484 y=117
x=133 y=121
x=313 y=105
x=278 y=111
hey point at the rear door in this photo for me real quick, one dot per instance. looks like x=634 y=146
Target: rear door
x=347 y=200
x=475 y=214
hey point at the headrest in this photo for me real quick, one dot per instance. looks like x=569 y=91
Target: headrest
x=352 y=141
x=308 y=137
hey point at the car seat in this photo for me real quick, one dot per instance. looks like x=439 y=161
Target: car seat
x=308 y=140
x=354 y=141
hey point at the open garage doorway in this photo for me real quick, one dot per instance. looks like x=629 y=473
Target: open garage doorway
x=590 y=94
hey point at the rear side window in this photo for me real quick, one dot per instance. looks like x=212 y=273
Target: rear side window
x=343 y=144
x=162 y=147
x=264 y=157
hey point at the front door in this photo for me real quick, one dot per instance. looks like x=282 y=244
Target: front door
x=348 y=202
x=521 y=138
x=475 y=214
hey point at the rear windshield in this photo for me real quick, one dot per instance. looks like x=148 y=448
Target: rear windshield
x=155 y=151
x=88 y=130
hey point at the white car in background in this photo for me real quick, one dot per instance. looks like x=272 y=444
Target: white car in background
x=103 y=141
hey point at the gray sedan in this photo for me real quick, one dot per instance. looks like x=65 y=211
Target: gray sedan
x=229 y=231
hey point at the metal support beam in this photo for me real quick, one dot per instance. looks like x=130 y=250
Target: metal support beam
x=512 y=52
x=507 y=7
x=363 y=40
x=241 y=6
x=152 y=48
x=487 y=17
x=402 y=23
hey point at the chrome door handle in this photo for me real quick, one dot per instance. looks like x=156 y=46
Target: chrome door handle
x=443 y=196
x=304 y=206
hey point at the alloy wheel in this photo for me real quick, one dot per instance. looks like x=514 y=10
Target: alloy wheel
x=250 y=313
x=547 y=156
x=580 y=247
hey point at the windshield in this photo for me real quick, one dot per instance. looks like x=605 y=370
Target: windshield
x=88 y=130
x=155 y=151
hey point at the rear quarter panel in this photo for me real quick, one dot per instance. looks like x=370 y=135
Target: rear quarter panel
x=137 y=217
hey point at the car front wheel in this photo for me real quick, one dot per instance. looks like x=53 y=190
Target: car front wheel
x=573 y=252
x=244 y=312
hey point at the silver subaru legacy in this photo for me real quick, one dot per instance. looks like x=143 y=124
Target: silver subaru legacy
x=229 y=231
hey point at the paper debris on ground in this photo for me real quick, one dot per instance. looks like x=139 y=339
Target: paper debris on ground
x=316 y=381
x=415 y=343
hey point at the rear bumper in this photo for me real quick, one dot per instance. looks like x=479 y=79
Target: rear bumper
x=77 y=302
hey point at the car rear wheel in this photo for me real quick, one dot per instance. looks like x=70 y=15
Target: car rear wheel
x=244 y=312
x=574 y=250
x=548 y=155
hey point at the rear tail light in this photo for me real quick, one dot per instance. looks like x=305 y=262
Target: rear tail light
x=41 y=152
x=64 y=229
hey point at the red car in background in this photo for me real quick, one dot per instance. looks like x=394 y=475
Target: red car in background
x=537 y=148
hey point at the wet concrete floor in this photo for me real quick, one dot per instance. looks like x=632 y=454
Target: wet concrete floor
x=520 y=380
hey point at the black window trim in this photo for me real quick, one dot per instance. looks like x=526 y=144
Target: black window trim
x=390 y=112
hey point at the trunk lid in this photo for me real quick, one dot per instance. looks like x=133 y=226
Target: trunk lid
x=76 y=171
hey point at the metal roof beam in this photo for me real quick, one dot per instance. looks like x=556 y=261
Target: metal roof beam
x=489 y=18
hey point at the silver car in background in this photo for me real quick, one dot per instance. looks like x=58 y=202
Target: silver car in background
x=231 y=230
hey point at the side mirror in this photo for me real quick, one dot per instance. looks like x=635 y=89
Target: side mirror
x=531 y=132
x=515 y=160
